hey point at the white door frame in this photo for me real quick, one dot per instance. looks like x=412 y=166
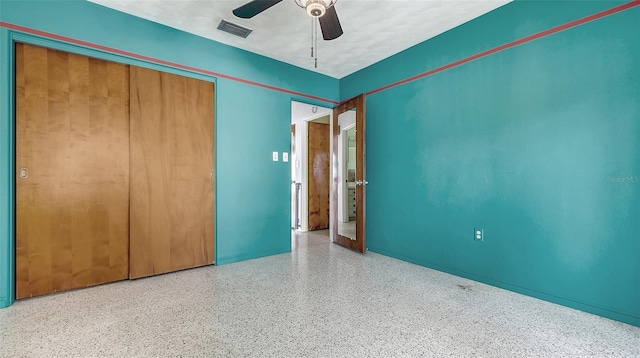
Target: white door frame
x=300 y=161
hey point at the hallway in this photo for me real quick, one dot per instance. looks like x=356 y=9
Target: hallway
x=321 y=300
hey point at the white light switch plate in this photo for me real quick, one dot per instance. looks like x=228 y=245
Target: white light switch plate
x=285 y=157
x=275 y=156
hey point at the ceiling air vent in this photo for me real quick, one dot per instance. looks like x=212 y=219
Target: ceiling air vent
x=234 y=29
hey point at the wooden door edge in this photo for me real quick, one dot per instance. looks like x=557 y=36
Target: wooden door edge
x=357 y=102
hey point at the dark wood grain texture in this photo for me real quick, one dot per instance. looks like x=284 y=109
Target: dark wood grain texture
x=319 y=175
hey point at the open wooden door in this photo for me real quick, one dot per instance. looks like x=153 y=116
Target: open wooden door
x=349 y=178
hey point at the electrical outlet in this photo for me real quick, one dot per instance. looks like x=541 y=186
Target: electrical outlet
x=478 y=234
x=275 y=156
x=285 y=157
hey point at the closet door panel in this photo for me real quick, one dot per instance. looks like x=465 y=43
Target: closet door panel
x=172 y=187
x=72 y=136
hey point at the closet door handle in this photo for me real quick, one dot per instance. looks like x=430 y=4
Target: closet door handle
x=24 y=173
x=210 y=174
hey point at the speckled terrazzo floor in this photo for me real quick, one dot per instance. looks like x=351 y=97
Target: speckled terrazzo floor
x=319 y=301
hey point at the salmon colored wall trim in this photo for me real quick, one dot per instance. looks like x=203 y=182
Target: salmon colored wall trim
x=155 y=60
x=551 y=31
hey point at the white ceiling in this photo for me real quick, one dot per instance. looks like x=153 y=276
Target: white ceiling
x=373 y=30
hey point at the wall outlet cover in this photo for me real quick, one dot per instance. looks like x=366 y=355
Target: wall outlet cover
x=478 y=234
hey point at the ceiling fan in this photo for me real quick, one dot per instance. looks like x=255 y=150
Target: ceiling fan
x=323 y=10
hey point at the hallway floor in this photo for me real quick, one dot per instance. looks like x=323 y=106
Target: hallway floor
x=321 y=300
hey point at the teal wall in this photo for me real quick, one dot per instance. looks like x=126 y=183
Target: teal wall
x=253 y=193
x=7 y=251
x=539 y=145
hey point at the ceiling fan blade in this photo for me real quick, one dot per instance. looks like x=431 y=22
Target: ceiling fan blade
x=330 y=24
x=253 y=8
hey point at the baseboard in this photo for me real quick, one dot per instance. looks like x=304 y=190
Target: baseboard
x=251 y=256
x=5 y=302
x=582 y=306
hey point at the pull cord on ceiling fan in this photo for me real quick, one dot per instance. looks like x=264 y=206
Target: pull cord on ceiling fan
x=323 y=10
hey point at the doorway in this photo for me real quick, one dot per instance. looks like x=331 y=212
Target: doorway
x=302 y=117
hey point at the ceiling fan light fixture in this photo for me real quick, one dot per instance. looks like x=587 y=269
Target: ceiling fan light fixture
x=316 y=8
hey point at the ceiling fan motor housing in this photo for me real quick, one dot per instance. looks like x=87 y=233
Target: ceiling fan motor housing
x=316 y=8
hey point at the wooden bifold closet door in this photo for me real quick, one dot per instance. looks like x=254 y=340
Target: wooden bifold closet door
x=172 y=172
x=72 y=171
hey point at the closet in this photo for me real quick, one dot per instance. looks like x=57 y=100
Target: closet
x=171 y=172
x=114 y=171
